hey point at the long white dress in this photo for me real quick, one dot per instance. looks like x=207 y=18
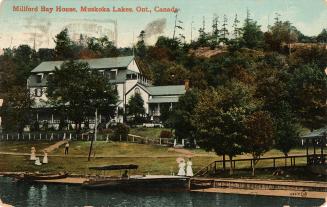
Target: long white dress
x=181 y=171
x=45 y=158
x=33 y=157
x=189 y=171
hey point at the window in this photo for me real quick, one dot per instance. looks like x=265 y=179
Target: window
x=38 y=92
x=137 y=90
x=38 y=78
x=112 y=75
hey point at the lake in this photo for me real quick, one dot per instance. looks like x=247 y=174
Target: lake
x=39 y=195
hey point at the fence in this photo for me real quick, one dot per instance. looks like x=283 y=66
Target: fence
x=265 y=162
x=57 y=136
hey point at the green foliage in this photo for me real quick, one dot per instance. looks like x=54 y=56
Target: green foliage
x=309 y=93
x=219 y=117
x=64 y=48
x=322 y=37
x=259 y=135
x=281 y=33
x=252 y=35
x=286 y=128
x=120 y=132
x=182 y=115
x=136 y=107
x=80 y=91
x=165 y=134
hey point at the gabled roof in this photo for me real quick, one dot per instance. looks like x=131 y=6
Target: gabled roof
x=99 y=63
x=166 y=90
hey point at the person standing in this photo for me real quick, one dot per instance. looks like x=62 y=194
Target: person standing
x=189 y=171
x=66 y=148
x=181 y=166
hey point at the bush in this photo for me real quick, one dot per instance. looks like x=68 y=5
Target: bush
x=165 y=134
x=120 y=131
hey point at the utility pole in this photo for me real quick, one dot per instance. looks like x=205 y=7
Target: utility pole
x=95 y=134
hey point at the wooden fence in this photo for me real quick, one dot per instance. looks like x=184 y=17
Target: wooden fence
x=48 y=136
x=264 y=162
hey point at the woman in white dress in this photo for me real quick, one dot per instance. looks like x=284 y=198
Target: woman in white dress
x=33 y=157
x=45 y=158
x=189 y=171
x=181 y=166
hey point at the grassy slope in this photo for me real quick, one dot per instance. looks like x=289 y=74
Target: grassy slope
x=147 y=132
x=152 y=159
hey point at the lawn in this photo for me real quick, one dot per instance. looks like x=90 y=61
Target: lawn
x=147 y=132
x=150 y=158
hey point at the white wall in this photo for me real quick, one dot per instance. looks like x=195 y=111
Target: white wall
x=133 y=67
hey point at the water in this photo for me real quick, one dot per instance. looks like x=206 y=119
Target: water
x=39 y=195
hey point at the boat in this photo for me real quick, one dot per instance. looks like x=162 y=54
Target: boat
x=136 y=182
x=34 y=176
x=4 y=204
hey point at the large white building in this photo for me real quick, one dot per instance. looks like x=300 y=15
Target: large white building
x=123 y=72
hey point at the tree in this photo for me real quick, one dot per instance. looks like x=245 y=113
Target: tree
x=282 y=33
x=224 y=31
x=308 y=87
x=140 y=45
x=259 y=135
x=322 y=37
x=15 y=111
x=286 y=129
x=182 y=115
x=78 y=89
x=219 y=117
x=64 y=48
x=136 y=107
x=252 y=35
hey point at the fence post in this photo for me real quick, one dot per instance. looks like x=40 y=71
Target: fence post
x=107 y=139
x=29 y=136
x=133 y=138
x=159 y=141
x=274 y=162
x=70 y=136
x=7 y=137
x=18 y=136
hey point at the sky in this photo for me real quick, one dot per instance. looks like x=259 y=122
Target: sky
x=309 y=16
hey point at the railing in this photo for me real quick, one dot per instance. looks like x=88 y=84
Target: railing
x=57 y=136
x=273 y=162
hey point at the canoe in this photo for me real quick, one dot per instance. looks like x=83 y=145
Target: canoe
x=33 y=177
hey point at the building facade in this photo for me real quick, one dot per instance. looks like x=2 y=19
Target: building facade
x=123 y=72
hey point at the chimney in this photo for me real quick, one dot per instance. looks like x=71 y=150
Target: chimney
x=187 y=84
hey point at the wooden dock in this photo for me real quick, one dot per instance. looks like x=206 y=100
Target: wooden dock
x=304 y=189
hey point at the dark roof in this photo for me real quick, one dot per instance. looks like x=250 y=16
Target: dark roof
x=316 y=133
x=115 y=167
x=166 y=90
x=99 y=63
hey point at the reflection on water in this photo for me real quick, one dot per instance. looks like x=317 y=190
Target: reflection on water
x=39 y=195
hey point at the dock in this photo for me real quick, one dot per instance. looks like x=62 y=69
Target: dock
x=288 y=188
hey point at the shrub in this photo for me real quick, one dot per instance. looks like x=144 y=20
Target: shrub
x=120 y=131
x=165 y=134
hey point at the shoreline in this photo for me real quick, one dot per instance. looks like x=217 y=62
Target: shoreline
x=76 y=179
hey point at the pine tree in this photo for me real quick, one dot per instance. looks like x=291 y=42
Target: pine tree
x=224 y=31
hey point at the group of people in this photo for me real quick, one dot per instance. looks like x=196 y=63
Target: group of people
x=37 y=159
x=185 y=169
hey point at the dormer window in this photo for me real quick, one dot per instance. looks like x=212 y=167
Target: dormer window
x=113 y=74
x=39 y=78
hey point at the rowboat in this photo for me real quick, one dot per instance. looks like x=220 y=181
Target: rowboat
x=33 y=177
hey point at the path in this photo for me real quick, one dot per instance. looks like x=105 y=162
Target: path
x=54 y=146
x=185 y=152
